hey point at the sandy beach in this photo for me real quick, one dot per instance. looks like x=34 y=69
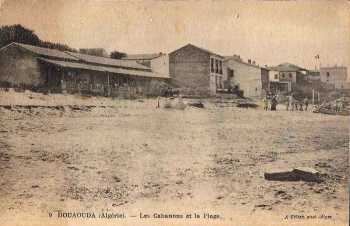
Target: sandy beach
x=131 y=155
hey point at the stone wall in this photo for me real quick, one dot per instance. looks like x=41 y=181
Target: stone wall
x=189 y=68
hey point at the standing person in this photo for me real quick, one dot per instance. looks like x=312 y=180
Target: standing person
x=266 y=104
x=301 y=105
x=158 y=102
x=341 y=104
x=336 y=105
x=273 y=103
x=296 y=105
x=290 y=102
x=306 y=102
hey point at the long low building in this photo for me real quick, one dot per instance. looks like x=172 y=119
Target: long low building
x=39 y=68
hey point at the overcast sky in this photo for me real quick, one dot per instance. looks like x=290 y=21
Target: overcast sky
x=269 y=32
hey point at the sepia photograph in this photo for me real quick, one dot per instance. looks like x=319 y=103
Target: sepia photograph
x=174 y=112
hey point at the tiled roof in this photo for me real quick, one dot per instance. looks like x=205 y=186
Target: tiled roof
x=142 y=56
x=285 y=67
x=227 y=58
x=109 y=61
x=77 y=65
x=45 y=51
x=53 y=53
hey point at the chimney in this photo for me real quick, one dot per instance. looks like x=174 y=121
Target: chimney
x=249 y=61
x=254 y=62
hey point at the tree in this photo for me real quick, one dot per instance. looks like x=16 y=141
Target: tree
x=117 y=55
x=94 y=52
x=17 y=33
x=20 y=34
x=58 y=46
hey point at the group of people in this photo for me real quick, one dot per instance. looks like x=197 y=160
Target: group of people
x=271 y=101
x=295 y=105
x=338 y=105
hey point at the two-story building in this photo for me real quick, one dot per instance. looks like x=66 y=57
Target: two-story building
x=285 y=77
x=196 y=70
x=248 y=77
x=336 y=76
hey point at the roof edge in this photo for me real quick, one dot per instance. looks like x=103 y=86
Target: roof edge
x=114 y=66
x=246 y=63
x=5 y=46
x=202 y=49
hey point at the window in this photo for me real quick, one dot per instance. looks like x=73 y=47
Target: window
x=327 y=74
x=230 y=73
x=276 y=76
x=282 y=75
x=212 y=65
x=220 y=67
x=290 y=75
x=216 y=66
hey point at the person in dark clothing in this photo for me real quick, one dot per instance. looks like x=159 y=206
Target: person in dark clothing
x=306 y=102
x=300 y=106
x=273 y=103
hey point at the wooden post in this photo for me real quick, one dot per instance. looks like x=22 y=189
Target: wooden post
x=313 y=97
x=318 y=97
x=108 y=85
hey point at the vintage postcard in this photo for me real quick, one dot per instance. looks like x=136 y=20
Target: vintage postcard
x=150 y=112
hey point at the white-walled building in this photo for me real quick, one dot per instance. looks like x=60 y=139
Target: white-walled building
x=284 y=77
x=336 y=76
x=247 y=76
